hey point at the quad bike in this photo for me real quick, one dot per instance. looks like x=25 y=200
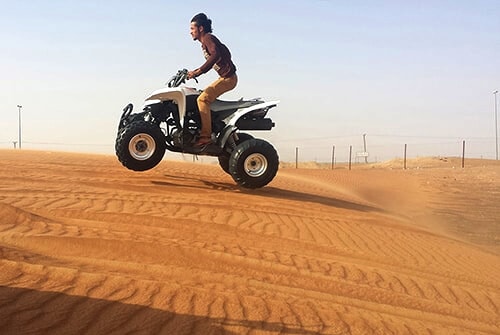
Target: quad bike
x=170 y=120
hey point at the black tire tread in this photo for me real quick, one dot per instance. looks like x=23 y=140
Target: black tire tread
x=125 y=135
x=239 y=155
x=224 y=159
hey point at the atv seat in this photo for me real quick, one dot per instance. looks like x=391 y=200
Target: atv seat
x=220 y=105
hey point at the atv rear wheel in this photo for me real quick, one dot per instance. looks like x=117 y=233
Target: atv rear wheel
x=253 y=163
x=140 y=146
x=224 y=159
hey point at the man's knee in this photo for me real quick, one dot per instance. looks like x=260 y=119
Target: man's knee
x=203 y=99
x=208 y=95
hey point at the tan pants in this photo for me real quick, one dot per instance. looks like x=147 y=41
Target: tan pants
x=212 y=92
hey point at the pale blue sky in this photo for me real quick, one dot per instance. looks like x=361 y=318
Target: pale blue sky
x=417 y=72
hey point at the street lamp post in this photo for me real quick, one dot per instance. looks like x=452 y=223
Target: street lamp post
x=496 y=124
x=19 y=106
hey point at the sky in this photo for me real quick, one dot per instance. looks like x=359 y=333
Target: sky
x=420 y=73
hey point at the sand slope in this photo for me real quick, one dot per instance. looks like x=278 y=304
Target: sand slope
x=88 y=247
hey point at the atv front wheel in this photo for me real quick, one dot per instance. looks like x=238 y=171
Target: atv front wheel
x=140 y=146
x=253 y=163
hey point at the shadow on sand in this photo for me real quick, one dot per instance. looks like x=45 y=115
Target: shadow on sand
x=26 y=311
x=268 y=191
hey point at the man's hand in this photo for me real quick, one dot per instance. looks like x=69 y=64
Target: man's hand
x=193 y=74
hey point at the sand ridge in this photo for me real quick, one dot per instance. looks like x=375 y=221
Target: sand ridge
x=89 y=247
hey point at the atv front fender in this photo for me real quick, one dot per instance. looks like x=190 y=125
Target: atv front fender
x=225 y=133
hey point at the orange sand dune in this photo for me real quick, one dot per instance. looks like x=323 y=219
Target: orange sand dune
x=88 y=247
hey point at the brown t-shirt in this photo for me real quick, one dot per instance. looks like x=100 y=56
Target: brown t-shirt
x=218 y=57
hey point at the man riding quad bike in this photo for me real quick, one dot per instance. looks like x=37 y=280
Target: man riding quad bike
x=170 y=120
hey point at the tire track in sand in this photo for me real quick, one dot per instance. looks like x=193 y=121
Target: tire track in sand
x=196 y=255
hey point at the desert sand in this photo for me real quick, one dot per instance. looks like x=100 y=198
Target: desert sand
x=89 y=247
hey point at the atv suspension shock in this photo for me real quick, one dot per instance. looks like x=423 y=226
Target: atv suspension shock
x=232 y=141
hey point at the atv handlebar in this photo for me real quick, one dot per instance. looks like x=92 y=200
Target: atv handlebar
x=179 y=78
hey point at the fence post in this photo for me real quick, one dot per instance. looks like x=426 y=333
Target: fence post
x=333 y=157
x=296 y=157
x=405 y=156
x=350 y=155
x=463 y=154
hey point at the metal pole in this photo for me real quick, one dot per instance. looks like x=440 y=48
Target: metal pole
x=463 y=155
x=405 y=156
x=350 y=155
x=364 y=142
x=496 y=124
x=333 y=157
x=19 y=106
x=296 y=157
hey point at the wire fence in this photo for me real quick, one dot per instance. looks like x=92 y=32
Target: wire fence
x=328 y=151
x=81 y=147
x=383 y=148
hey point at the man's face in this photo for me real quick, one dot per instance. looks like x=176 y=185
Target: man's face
x=195 y=31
